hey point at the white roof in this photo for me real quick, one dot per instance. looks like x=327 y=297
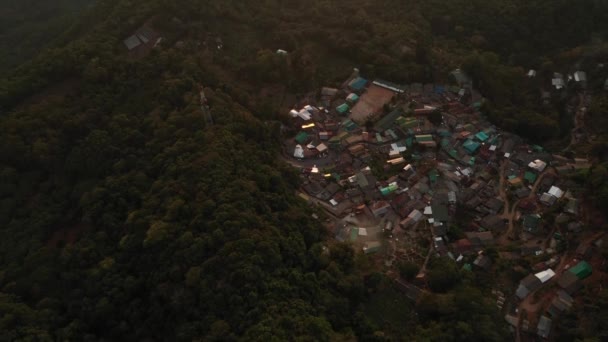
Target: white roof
x=315 y=169
x=298 y=152
x=558 y=82
x=428 y=210
x=580 y=76
x=545 y=275
x=293 y=113
x=362 y=231
x=531 y=73
x=309 y=108
x=333 y=202
x=304 y=114
x=493 y=148
x=557 y=192
x=538 y=165
x=322 y=147
x=395 y=147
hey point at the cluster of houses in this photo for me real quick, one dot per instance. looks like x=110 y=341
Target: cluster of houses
x=388 y=161
x=569 y=282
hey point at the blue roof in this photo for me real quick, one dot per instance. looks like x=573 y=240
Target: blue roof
x=439 y=89
x=358 y=83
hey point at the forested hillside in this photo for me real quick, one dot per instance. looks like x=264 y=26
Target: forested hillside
x=127 y=214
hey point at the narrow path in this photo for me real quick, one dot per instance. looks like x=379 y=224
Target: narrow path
x=579 y=120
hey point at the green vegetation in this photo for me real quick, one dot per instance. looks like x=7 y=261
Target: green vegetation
x=127 y=214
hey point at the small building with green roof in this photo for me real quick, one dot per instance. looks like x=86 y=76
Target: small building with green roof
x=530 y=177
x=471 y=146
x=582 y=270
x=343 y=108
x=482 y=136
x=302 y=137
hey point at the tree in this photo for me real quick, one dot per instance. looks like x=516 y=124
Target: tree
x=408 y=270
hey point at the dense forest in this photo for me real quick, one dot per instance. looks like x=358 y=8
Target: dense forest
x=127 y=214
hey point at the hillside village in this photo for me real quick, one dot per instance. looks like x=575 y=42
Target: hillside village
x=409 y=172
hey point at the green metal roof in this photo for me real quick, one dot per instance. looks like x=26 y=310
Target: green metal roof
x=482 y=136
x=530 y=176
x=349 y=125
x=343 y=108
x=471 y=146
x=302 y=137
x=582 y=270
x=358 y=83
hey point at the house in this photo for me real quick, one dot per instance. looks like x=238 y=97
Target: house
x=556 y=192
x=493 y=223
x=471 y=146
x=132 y=42
x=380 y=208
x=584 y=251
x=414 y=217
x=545 y=276
x=357 y=84
x=531 y=223
x=372 y=247
x=522 y=192
x=440 y=213
x=529 y=284
x=483 y=261
x=298 y=152
x=561 y=303
x=515 y=182
x=302 y=138
x=343 y=108
x=537 y=165
x=452 y=197
x=569 y=282
x=571 y=206
x=352 y=98
x=494 y=205
x=543 y=328
x=582 y=270
x=558 y=81
x=530 y=177
x=580 y=76
x=548 y=199
x=532 y=73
